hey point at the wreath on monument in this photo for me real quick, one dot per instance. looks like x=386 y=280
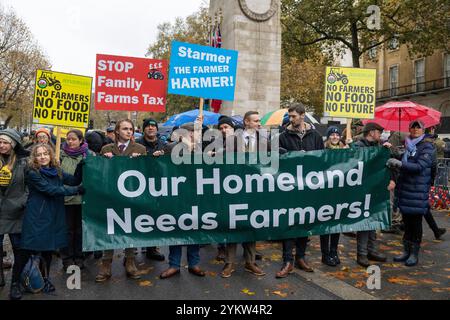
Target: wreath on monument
x=259 y=16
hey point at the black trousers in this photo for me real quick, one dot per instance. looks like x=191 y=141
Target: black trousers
x=22 y=257
x=329 y=243
x=431 y=222
x=74 y=251
x=413 y=227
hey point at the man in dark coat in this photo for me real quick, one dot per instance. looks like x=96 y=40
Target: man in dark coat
x=298 y=136
x=366 y=240
x=155 y=146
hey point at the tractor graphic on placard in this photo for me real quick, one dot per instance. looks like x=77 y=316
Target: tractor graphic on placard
x=46 y=80
x=334 y=76
x=155 y=74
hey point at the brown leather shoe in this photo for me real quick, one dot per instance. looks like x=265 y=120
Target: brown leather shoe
x=228 y=269
x=253 y=268
x=301 y=264
x=169 y=273
x=131 y=269
x=197 y=271
x=105 y=271
x=287 y=269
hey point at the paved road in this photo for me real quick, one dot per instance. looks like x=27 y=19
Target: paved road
x=429 y=280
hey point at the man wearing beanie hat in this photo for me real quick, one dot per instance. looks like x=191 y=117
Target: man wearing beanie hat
x=155 y=146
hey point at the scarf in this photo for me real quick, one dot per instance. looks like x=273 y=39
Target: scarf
x=49 y=172
x=411 y=148
x=82 y=150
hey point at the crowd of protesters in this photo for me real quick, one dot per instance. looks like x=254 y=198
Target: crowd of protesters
x=40 y=195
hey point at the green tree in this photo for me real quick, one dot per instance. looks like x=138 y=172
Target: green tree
x=336 y=25
x=193 y=29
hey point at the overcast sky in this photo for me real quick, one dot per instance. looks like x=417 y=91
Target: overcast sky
x=72 y=32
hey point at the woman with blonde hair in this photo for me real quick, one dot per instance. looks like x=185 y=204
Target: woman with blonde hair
x=44 y=227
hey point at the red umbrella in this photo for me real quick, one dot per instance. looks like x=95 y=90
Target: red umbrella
x=396 y=115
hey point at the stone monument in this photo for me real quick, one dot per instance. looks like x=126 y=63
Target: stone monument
x=253 y=28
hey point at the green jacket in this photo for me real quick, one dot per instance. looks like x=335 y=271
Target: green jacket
x=69 y=164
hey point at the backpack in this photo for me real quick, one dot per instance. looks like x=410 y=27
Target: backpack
x=31 y=277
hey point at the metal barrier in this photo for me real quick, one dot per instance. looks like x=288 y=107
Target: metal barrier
x=439 y=193
x=442 y=172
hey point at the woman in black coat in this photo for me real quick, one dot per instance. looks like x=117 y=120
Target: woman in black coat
x=413 y=188
x=13 y=191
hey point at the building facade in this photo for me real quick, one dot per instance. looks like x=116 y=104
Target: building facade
x=400 y=77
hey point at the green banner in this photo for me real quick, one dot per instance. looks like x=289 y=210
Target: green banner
x=149 y=201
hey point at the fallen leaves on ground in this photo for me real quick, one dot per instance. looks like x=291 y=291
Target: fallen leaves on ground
x=402 y=281
x=283 y=286
x=226 y=285
x=212 y=274
x=281 y=294
x=395 y=243
x=346 y=269
x=429 y=281
x=439 y=290
x=360 y=284
x=338 y=274
x=402 y=297
x=214 y=261
x=395 y=252
x=248 y=292
x=275 y=257
x=145 y=283
x=392 y=265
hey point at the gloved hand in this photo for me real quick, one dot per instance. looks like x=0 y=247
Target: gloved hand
x=81 y=190
x=393 y=163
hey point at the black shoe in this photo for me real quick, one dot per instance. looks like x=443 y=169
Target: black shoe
x=154 y=254
x=439 y=233
x=377 y=256
x=335 y=257
x=414 y=256
x=15 y=293
x=328 y=260
x=363 y=261
x=405 y=254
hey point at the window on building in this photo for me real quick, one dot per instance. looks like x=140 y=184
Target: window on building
x=393 y=80
x=393 y=44
x=372 y=53
x=419 y=67
x=447 y=69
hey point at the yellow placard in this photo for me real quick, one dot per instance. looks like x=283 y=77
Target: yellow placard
x=62 y=99
x=64 y=130
x=350 y=93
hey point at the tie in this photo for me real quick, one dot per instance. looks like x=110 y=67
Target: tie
x=121 y=148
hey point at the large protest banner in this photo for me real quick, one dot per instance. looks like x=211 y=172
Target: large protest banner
x=130 y=84
x=201 y=71
x=149 y=201
x=62 y=99
x=350 y=93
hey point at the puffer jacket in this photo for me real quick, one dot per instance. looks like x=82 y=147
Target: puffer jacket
x=413 y=185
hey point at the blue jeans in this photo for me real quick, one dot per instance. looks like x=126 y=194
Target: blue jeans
x=14 y=238
x=193 y=255
x=300 y=249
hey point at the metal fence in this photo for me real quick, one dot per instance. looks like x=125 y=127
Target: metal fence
x=442 y=172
